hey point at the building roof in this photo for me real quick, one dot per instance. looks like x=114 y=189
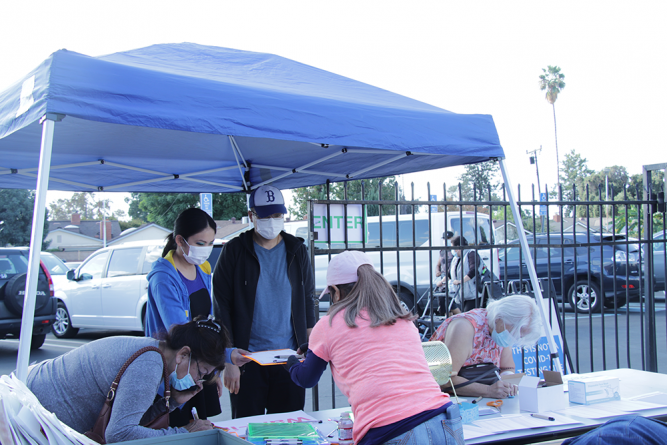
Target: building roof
x=226 y=228
x=134 y=230
x=90 y=228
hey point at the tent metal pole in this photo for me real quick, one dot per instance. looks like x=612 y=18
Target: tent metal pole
x=531 y=268
x=237 y=153
x=28 y=318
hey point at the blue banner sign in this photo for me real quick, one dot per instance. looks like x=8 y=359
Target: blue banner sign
x=206 y=203
x=532 y=360
x=543 y=209
x=434 y=208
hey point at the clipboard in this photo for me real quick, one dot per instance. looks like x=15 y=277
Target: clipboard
x=273 y=357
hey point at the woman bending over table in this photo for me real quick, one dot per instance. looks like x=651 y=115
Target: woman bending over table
x=487 y=336
x=74 y=386
x=377 y=360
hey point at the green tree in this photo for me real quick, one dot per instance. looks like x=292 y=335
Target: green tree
x=134 y=222
x=16 y=210
x=164 y=208
x=573 y=174
x=476 y=181
x=551 y=80
x=627 y=214
x=499 y=214
x=300 y=196
x=85 y=204
x=635 y=185
x=134 y=211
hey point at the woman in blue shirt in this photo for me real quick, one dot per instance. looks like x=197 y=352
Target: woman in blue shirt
x=179 y=290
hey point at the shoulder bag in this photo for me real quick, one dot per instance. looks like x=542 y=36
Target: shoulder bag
x=484 y=373
x=157 y=416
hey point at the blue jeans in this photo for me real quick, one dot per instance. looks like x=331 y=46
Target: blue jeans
x=437 y=430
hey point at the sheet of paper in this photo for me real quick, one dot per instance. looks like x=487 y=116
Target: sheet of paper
x=639 y=405
x=608 y=409
x=275 y=357
x=239 y=426
x=659 y=398
x=30 y=426
x=473 y=432
x=513 y=422
x=597 y=411
x=5 y=431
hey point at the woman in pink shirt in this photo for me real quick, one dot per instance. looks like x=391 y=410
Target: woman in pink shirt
x=377 y=360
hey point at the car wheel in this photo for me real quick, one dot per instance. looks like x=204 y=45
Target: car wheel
x=37 y=341
x=407 y=300
x=586 y=298
x=62 y=327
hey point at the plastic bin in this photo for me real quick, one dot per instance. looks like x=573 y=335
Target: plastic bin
x=212 y=437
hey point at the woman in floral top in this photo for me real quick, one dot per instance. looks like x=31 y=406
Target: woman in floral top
x=487 y=336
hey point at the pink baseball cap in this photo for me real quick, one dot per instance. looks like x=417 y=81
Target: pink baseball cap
x=343 y=268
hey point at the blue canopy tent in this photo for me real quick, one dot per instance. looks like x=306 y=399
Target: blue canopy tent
x=192 y=118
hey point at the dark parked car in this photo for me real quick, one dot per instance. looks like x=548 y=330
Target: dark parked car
x=614 y=268
x=13 y=270
x=659 y=261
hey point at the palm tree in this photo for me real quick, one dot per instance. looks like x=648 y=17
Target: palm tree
x=552 y=81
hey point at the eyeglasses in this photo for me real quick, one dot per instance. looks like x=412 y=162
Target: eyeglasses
x=202 y=377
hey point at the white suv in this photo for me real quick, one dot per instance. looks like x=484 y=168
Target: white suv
x=107 y=291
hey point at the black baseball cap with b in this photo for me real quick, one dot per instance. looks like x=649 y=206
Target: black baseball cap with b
x=267 y=200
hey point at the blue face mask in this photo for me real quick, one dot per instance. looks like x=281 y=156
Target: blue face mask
x=503 y=339
x=184 y=383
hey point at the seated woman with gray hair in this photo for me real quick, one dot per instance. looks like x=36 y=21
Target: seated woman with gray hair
x=487 y=336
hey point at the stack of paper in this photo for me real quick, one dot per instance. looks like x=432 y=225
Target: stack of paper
x=239 y=426
x=23 y=420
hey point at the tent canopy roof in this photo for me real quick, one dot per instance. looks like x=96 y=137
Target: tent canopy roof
x=192 y=118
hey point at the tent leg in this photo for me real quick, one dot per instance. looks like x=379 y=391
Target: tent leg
x=531 y=268
x=48 y=126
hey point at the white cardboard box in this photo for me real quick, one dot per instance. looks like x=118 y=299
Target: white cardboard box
x=591 y=390
x=532 y=398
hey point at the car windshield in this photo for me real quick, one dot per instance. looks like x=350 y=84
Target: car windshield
x=54 y=264
x=12 y=263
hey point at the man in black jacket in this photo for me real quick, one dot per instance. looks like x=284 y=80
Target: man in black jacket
x=263 y=292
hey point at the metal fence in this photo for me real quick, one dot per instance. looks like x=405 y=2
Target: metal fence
x=602 y=261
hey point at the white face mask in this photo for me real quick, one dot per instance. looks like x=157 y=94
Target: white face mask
x=269 y=228
x=198 y=254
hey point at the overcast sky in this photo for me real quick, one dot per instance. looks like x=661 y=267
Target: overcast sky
x=465 y=57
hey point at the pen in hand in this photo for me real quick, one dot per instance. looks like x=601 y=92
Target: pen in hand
x=195 y=414
x=509 y=396
x=540 y=416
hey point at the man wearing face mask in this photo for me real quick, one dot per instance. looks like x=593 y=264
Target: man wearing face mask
x=263 y=292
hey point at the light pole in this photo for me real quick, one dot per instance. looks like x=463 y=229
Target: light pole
x=533 y=160
x=104 y=222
